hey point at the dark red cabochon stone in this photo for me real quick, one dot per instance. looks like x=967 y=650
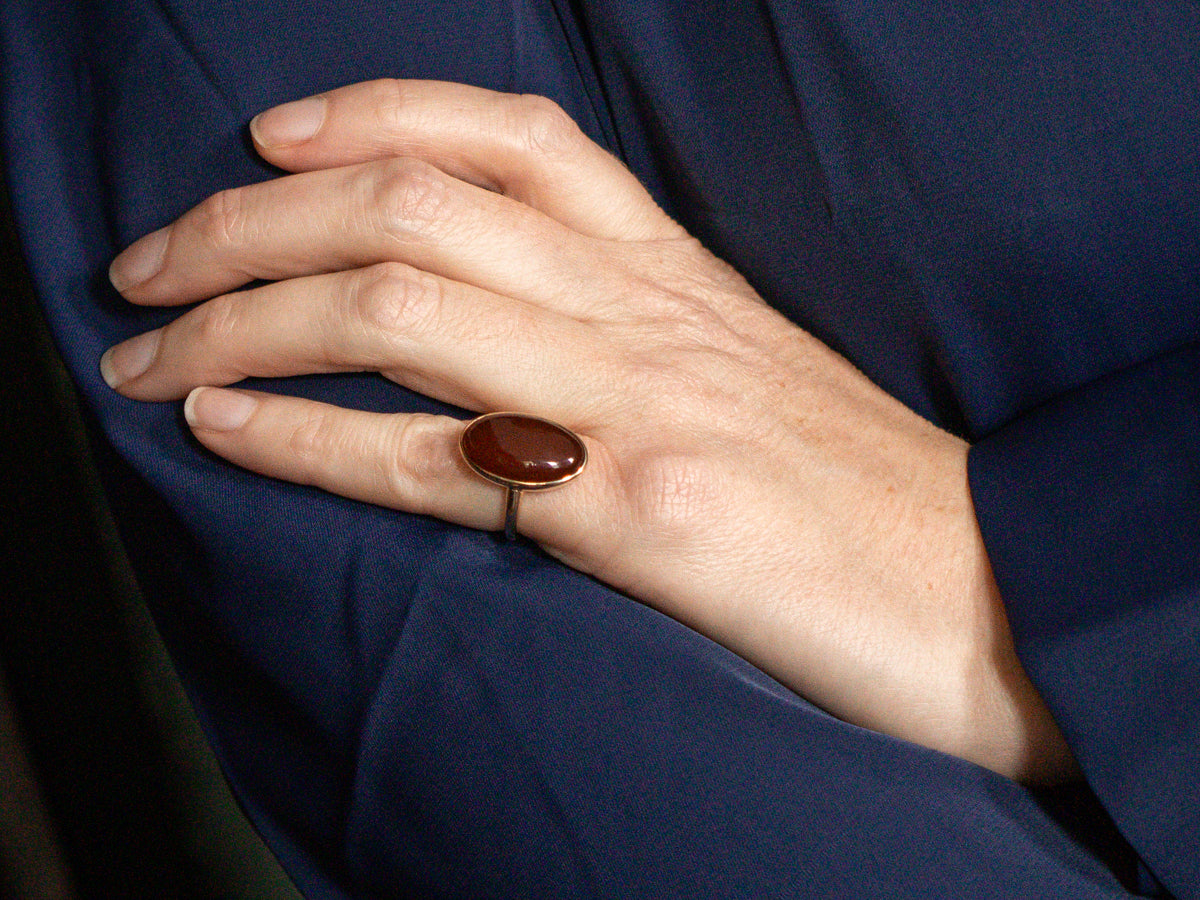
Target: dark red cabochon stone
x=520 y=448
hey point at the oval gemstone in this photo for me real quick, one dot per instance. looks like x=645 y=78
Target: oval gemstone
x=523 y=451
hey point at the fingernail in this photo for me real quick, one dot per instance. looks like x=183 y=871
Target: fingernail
x=130 y=359
x=214 y=409
x=290 y=123
x=140 y=261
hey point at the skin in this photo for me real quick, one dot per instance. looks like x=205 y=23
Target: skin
x=743 y=478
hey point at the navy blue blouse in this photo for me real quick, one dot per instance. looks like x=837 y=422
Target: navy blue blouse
x=993 y=209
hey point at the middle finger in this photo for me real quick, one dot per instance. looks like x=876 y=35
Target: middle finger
x=400 y=210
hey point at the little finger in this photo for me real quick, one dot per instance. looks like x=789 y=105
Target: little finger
x=406 y=462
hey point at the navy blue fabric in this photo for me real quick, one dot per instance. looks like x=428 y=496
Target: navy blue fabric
x=1107 y=481
x=992 y=209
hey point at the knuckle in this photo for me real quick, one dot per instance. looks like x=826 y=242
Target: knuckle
x=220 y=321
x=224 y=219
x=388 y=101
x=419 y=462
x=672 y=493
x=308 y=445
x=406 y=196
x=543 y=127
x=395 y=299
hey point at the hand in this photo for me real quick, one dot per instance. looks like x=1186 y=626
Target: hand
x=743 y=478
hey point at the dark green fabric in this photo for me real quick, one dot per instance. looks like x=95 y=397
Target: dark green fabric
x=130 y=787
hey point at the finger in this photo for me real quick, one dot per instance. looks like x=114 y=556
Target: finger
x=406 y=462
x=394 y=210
x=448 y=340
x=522 y=145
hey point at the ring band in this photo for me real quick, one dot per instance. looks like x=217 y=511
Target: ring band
x=521 y=453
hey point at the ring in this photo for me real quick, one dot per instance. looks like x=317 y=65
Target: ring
x=521 y=453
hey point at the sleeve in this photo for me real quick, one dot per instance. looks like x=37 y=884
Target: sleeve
x=1090 y=508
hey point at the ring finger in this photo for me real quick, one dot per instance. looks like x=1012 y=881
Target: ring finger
x=450 y=340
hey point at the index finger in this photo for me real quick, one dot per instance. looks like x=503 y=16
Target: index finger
x=521 y=145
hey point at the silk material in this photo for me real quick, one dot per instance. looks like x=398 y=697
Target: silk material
x=991 y=209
